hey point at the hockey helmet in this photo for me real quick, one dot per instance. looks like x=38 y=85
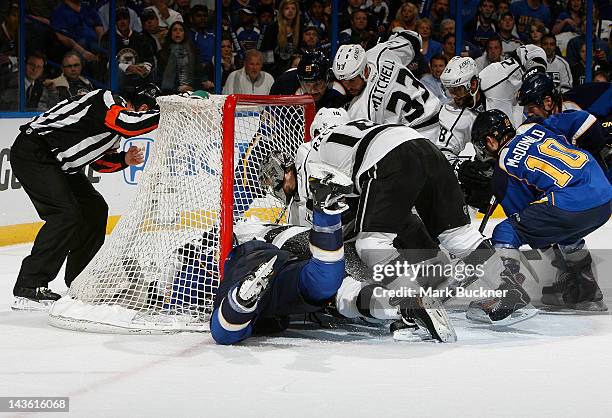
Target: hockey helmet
x=314 y=66
x=350 y=62
x=146 y=94
x=327 y=118
x=272 y=173
x=535 y=88
x=493 y=123
x=458 y=75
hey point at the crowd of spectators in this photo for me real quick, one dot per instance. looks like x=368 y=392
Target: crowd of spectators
x=172 y=42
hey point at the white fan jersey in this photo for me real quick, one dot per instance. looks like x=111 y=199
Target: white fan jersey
x=394 y=95
x=501 y=81
x=357 y=146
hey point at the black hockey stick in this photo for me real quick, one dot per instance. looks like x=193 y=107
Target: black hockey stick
x=490 y=210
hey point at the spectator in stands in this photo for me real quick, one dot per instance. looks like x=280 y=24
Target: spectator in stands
x=181 y=6
x=601 y=77
x=345 y=16
x=359 y=26
x=432 y=80
x=247 y=34
x=447 y=26
x=493 y=53
x=250 y=79
x=134 y=55
x=439 y=11
x=526 y=12
x=154 y=33
x=9 y=35
x=557 y=68
x=379 y=14
x=295 y=60
x=310 y=38
x=406 y=17
x=265 y=17
x=503 y=7
x=202 y=38
x=448 y=47
x=42 y=9
x=227 y=66
x=571 y=19
x=33 y=83
x=600 y=48
x=179 y=62
x=135 y=23
x=315 y=16
x=482 y=27
x=165 y=15
x=579 y=69
x=282 y=38
x=78 y=27
x=538 y=30
x=430 y=47
x=70 y=84
x=506 y=33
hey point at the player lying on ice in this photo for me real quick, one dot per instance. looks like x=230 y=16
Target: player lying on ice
x=262 y=283
x=533 y=163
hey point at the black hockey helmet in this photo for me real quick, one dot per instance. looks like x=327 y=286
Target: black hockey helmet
x=146 y=94
x=493 y=123
x=314 y=66
x=535 y=88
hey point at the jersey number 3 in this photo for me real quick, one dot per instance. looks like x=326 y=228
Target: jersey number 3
x=561 y=157
x=412 y=108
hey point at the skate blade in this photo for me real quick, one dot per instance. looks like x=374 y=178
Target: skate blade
x=599 y=306
x=25 y=304
x=520 y=315
x=441 y=322
x=409 y=335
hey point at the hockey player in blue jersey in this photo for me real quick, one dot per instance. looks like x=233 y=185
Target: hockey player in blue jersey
x=574 y=111
x=534 y=163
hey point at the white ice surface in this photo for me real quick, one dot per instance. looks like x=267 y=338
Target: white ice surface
x=549 y=366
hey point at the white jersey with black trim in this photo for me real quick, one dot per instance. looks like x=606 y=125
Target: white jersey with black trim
x=501 y=81
x=358 y=146
x=455 y=129
x=394 y=95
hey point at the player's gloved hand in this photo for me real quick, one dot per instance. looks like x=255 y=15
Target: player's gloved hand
x=475 y=178
x=327 y=187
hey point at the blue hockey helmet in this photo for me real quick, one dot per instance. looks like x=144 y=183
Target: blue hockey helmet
x=314 y=66
x=535 y=88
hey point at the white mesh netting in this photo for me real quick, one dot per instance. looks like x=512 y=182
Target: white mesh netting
x=159 y=269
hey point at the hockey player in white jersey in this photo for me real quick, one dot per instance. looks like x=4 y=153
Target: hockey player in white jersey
x=496 y=87
x=384 y=89
x=393 y=169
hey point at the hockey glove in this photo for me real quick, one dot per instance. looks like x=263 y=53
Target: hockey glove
x=475 y=178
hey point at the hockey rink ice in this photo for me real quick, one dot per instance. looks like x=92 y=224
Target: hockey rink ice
x=553 y=365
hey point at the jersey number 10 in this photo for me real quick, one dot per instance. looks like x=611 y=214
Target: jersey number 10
x=561 y=157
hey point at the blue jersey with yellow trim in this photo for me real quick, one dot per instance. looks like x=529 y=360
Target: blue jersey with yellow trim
x=539 y=163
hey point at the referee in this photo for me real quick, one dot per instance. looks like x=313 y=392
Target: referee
x=48 y=158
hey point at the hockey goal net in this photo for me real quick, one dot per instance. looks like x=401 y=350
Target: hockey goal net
x=160 y=268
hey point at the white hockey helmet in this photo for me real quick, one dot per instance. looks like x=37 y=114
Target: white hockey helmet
x=530 y=57
x=350 y=62
x=459 y=72
x=327 y=118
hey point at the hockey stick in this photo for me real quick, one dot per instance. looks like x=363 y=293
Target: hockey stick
x=492 y=206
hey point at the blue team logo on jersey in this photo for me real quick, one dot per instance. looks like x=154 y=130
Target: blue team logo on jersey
x=132 y=174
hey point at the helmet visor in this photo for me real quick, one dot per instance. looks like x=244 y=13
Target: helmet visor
x=456 y=92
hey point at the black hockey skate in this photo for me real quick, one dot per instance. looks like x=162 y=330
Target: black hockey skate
x=33 y=298
x=255 y=285
x=581 y=290
x=327 y=187
x=512 y=307
x=423 y=313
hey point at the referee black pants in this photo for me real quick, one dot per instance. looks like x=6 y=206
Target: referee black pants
x=75 y=214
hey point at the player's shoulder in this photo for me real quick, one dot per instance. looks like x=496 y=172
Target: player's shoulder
x=286 y=83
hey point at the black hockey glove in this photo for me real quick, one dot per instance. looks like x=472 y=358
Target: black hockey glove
x=475 y=178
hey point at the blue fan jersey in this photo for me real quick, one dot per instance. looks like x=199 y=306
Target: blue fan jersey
x=540 y=163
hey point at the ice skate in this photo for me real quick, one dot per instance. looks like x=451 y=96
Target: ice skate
x=328 y=186
x=423 y=313
x=254 y=286
x=33 y=299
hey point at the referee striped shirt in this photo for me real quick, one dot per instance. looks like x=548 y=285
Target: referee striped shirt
x=81 y=130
